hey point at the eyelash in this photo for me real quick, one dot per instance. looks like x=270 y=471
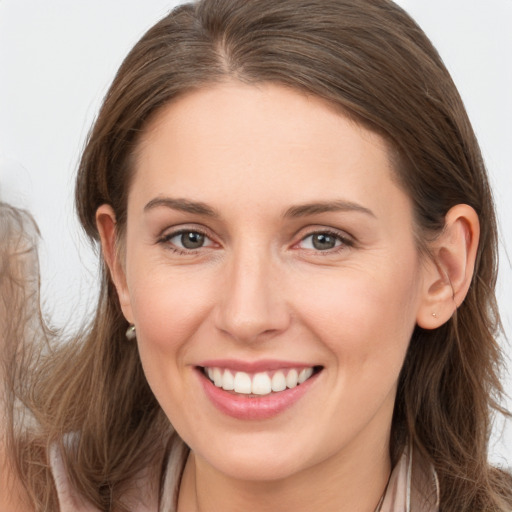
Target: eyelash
x=166 y=240
x=345 y=242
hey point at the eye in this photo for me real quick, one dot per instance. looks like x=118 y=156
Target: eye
x=187 y=240
x=322 y=241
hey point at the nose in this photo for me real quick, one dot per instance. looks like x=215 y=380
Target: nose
x=251 y=306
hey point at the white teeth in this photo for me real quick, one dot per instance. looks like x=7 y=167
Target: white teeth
x=243 y=383
x=305 y=374
x=278 y=381
x=217 y=377
x=228 y=382
x=292 y=379
x=261 y=384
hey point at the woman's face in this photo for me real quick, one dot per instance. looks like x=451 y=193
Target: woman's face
x=267 y=242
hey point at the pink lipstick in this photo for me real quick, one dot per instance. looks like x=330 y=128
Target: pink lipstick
x=255 y=390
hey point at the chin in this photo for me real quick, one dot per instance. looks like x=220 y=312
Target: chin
x=258 y=468
x=260 y=457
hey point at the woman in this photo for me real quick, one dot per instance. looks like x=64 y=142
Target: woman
x=300 y=257
x=22 y=331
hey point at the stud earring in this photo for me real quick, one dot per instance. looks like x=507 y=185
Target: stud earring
x=130 y=333
x=434 y=315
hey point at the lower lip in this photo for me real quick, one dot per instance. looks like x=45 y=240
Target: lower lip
x=245 y=407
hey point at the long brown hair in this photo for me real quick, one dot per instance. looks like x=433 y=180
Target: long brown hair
x=369 y=58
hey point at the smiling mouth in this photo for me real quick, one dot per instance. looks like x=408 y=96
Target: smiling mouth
x=260 y=383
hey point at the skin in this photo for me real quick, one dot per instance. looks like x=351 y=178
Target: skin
x=260 y=289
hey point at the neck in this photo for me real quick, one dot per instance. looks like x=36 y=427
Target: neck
x=345 y=482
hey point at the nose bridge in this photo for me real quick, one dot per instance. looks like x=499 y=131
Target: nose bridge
x=252 y=304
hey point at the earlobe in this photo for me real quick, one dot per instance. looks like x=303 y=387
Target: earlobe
x=106 y=223
x=449 y=274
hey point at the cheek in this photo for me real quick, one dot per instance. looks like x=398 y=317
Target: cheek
x=168 y=302
x=169 y=308
x=365 y=318
x=366 y=325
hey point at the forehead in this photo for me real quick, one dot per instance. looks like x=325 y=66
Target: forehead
x=276 y=142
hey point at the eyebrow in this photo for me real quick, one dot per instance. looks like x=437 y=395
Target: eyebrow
x=183 y=205
x=325 y=207
x=301 y=210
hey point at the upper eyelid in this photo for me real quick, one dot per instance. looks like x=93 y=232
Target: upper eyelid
x=171 y=231
x=312 y=230
x=178 y=232
x=345 y=241
x=327 y=233
x=168 y=234
x=166 y=237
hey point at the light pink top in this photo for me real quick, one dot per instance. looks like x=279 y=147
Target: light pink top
x=413 y=486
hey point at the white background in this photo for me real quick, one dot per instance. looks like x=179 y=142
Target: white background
x=58 y=57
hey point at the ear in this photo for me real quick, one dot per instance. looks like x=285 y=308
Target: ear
x=106 y=224
x=449 y=274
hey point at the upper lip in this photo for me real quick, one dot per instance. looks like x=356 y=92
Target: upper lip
x=253 y=366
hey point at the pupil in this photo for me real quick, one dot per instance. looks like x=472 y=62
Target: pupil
x=323 y=242
x=192 y=240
